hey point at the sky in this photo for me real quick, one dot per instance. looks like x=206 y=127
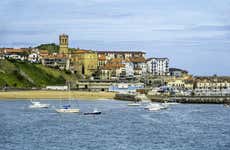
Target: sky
x=193 y=34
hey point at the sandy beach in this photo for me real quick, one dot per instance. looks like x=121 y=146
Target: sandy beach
x=56 y=95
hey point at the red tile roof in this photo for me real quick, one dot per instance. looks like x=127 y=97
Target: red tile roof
x=138 y=60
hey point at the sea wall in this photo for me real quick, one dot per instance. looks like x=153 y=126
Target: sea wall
x=126 y=97
x=193 y=99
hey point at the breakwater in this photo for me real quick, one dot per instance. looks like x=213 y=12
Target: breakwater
x=178 y=99
x=127 y=97
x=192 y=99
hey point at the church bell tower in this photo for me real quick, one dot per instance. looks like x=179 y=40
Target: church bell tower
x=63 y=44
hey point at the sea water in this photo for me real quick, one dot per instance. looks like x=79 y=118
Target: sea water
x=119 y=127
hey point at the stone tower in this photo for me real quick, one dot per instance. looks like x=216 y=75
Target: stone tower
x=63 y=44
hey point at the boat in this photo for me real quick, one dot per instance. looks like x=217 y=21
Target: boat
x=67 y=108
x=95 y=112
x=226 y=105
x=155 y=107
x=134 y=104
x=38 y=105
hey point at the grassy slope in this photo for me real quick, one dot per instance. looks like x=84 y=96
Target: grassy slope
x=21 y=74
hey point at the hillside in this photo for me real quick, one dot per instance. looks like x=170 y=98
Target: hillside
x=24 y=75
x=51 y=48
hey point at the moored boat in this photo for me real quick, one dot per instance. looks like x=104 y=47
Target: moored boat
x=67 y=109
x=38 y=105
x=95 y=112
x=155 y=107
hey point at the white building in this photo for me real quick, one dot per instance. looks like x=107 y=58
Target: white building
x=33 y=58
x=158 y=66
x=129 y=72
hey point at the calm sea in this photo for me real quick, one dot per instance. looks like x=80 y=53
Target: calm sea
x=120 y=127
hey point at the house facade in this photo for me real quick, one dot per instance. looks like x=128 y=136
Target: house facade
x=158 y=66
x=84 y=62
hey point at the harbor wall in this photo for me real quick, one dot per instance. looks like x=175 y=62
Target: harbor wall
x=193 y=99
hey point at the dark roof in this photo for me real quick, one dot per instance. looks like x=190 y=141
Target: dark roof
x=177 y=69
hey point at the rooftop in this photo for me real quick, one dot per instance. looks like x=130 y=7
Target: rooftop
x=120 y=52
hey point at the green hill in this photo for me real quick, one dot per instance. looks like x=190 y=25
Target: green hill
x=25 y=75
x=52 y=48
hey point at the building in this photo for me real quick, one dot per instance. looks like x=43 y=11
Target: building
x=101 y=61
x=177 y=72
x=57 y=61
x=125 y=87
x=212 y=83
x=108 y=55
x=158 y=66
x=58 y=88
x=128 y=69
x=212 y=86
x=63 y=44
x=33 y=57
x=139 y=66
x=119 y=68
x=94 y=85
x=84 y=62
x=121 y=63
x=181 y=84
x=17 y=54
x=113 y=70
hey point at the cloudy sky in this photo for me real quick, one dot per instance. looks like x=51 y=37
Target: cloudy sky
x=193 y=34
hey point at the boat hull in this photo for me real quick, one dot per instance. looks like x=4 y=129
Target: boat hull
x=40 y=106
x=92 y=113
x=68 y=110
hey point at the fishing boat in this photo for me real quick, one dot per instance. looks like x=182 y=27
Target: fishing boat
x=67 y=108
x=38 y=105
x=95 y=112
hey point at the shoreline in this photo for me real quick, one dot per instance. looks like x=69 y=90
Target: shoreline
x=55 y=95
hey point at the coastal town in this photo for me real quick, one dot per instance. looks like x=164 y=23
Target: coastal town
x=120 y=71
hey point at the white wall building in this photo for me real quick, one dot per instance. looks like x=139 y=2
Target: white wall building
x=129 y=69
x=33 y=58
x=158 y=66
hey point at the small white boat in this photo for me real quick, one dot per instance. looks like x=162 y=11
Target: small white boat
x=134 y=104
x=155 y=107
x=38 y=105
x=68 y=109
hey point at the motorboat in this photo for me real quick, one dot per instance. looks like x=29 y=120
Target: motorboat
x=38 y=105
x=155 y=107
x=67 y=109
x=95 y=112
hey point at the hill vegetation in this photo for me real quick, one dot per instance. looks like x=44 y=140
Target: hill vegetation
x=19 y=74
x=52 y=48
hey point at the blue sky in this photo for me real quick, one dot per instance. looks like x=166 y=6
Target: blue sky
x=194 y=35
